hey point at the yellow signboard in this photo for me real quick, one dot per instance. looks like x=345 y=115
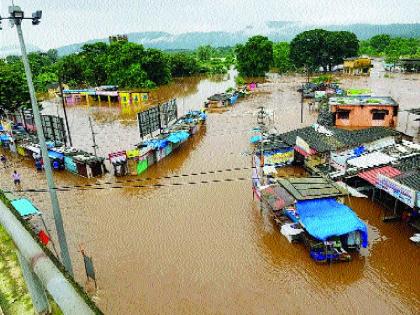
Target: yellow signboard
x=279 y=158
x=136 y=98
x=124 y=98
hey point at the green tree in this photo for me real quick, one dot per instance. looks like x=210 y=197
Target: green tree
x=14 y=91
x=93 y=59
x=70 y=69
x=281 y=56
x=380 y=42
x=183 y=64
x=157 y=66
x=255 y=57
x=341 y=45
x=205 y=52
x=309 y=49
x=320 y=48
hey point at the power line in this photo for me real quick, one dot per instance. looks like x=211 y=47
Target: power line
x=203 y=182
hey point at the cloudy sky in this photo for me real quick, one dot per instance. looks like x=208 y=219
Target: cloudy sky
x=71 y=21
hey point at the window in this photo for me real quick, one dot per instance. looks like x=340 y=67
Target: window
x=378 y=115
x=343 y=114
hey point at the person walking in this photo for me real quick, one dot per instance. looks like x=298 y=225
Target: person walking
x=16 y=179
x=3 y=160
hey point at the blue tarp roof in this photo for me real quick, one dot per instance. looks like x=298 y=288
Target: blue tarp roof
x=156 y=143
x=24 y=207
x=324 y=218
x=55 y=155
x=178 y=136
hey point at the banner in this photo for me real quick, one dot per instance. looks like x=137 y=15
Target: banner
x=303 y=145
x=282 y=157
x=401 y=192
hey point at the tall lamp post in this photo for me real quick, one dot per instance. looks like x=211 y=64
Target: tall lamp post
x=16 y=17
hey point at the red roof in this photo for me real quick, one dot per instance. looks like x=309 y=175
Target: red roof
x=304 y=153
x=372 y=175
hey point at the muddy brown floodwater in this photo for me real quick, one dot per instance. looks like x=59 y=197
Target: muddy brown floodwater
x=207 y=249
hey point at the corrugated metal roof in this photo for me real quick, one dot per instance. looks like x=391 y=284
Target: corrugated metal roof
x=371 y=160
x=410 y=179
x=341 y=138
x=372 y=175
x=303 y=188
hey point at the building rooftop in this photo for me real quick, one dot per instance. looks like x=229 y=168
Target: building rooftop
x=356 y=58
x=363 y=100
x=338 y=138
x=304 y=188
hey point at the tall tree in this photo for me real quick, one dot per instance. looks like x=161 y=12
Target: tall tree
x=281 y=56
x=157 y=67
x=309 y=49
x=380 y=42
x=183 y=64
x=93 y=58
x=255 y=57
x=14 y=91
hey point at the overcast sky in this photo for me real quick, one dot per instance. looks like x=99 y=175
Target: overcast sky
x=71 y=21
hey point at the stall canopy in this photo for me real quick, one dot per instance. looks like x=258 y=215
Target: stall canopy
x=277 y=197
x=24 y=207
x=55 y=155
x=178 y=136
x=371 y=176
x=324 y=218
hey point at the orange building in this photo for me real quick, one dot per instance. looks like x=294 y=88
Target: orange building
x=359 y=111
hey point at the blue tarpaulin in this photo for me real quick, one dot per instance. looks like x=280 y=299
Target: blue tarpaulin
x=156 y=143
x=255 y=139
x=178 y=136
x=324 y=218
x=24 y=207
x=4 y=138
x=55 y=155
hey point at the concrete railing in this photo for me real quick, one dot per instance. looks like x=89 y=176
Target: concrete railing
x=40 y=272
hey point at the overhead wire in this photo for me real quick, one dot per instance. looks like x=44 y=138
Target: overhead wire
x=70 y=188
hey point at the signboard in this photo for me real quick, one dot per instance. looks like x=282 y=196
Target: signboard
x=157 y=117
x=168 y=112
x=303 y=145
x=278 y=158
x=53 y=127
x=401 y=192
x=149 y=121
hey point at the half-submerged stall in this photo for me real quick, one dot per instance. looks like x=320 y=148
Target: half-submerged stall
x=310 y=210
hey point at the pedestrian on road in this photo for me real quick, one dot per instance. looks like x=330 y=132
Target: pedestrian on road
x=16 y=179
x=3 y=160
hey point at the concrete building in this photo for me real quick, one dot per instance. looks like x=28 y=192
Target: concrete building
x=357 y=66
x=364 y=111
x=118 y=38
x=409 y=123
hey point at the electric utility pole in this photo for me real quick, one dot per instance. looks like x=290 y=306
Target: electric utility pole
x=16 y=17
x=93 y=136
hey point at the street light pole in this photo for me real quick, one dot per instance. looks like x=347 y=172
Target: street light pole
x=65 y=256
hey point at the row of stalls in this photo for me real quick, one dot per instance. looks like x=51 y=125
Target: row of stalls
x=153 y=150
x=310 y=210
x=373 y=162
x=105 y=95
x=224 y=100
x=77 y=162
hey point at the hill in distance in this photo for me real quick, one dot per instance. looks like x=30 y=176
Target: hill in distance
x=275 y=30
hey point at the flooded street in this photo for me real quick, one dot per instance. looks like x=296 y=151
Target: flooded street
x=207 y=248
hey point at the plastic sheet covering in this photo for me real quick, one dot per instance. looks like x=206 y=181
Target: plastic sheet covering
x=156 y=143
x=69 y=164
x=24 y=207
x=141 y=166
x=277 y=197
x=324 y=218
x=178 y=136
